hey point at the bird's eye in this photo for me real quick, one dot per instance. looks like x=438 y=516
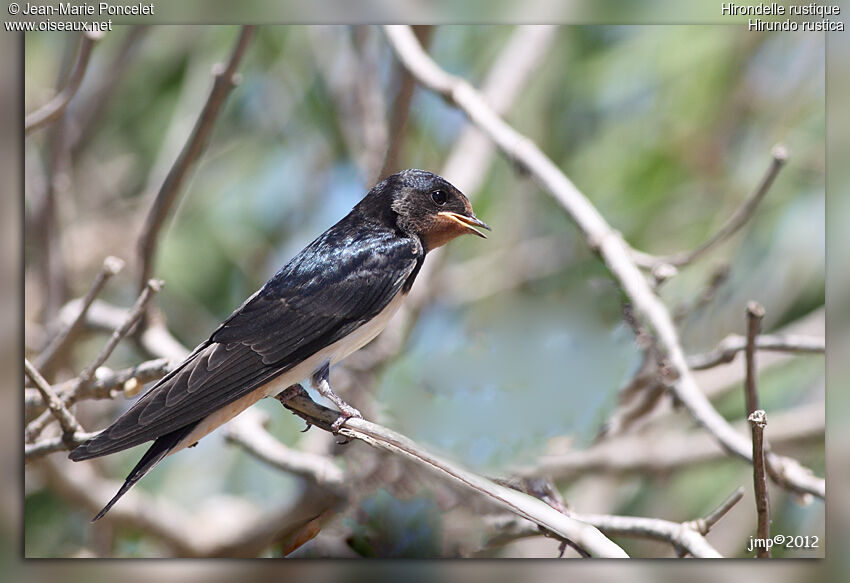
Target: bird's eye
x=440 y=197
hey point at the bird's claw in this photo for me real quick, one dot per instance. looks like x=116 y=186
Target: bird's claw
x=346 y=412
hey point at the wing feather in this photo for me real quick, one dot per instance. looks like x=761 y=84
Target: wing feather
x=339 y=282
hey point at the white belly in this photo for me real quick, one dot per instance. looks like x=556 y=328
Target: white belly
x=330 y=354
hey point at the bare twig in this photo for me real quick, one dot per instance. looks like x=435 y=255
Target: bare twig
x=111 y=266
x=57 y=409
x=664 y=451
x=704 y=524
x=35 y=428
x=54 y=108
x=247 y=432
x=187 y=534
x=401 y=111
x=601 y=238
x=155 y=339
x=295 y=398
x=718 y=277
x=48 y=445
x=758 y=420
x=508 y=77
x=678 y=534
x=730 y=346
x=85 y=113
x=779 y=155
x=755 y=313
x=105 y=385
x=688 y=536
x=224 y=79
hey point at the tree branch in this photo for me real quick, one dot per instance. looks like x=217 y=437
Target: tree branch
x=247 y=431
x=664 y=451
x=53 y=109
x=675 y=533
x=111 y=266
x=48 y=445
x=779 y=155
x=601 y=238
x=105 y=385
x=57 y=409
x=758 y=420
x=295 y=399
x=704 y=524
x=35 y=428
x=224 y=79
x=729 y=347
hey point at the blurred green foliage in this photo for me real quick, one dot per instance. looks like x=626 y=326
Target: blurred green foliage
x=665 y=128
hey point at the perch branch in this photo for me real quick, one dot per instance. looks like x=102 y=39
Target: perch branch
x=295 y=398
x=53 y=109
x=601 y=238
x=224 y=79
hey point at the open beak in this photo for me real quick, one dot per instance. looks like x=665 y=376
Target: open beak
x=469 y=222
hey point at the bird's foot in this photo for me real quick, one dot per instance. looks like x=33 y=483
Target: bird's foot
x=346 y=412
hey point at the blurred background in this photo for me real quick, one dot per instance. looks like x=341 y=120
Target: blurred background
x=516 y=347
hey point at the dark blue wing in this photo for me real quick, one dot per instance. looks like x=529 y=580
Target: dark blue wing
x=335 y=285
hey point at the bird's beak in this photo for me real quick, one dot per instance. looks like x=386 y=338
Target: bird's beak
x=469 y=222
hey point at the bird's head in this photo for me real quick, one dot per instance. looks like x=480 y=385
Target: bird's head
x=427 y=206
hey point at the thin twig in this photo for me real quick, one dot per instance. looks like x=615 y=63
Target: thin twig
x=89 y=111
x=719 y=276
x=779 y=155
x=755 y=313
x=247 y=432
x=224 y=79
x=187 y=534
x=602 y=239
x=54 y=108
x=106 y=385
x=729 y=347
x=111 y=266
x=758 y=420
x=664 y=451
x=56 y=408
x=687 y=536
x=676 y=533
x=48 y=445
x=155 y=338
x=704 y=524
x=35 y=428
x=295 y=398
x=401 y=111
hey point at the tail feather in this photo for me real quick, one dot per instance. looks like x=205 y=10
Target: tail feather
x=158 y=450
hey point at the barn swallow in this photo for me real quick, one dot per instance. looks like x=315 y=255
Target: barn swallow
x=330 y=300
